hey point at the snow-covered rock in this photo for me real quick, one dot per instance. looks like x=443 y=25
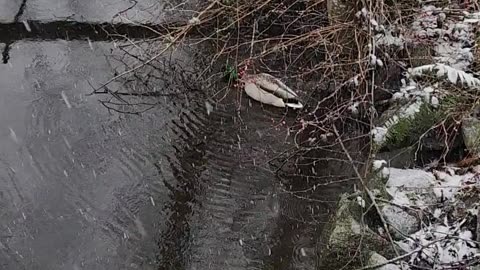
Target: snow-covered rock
x=411 y=187
x=377 y=259
x=402 y=222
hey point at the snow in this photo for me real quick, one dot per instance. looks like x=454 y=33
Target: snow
x=452 y=73
x=385 y=172
x=436 y=196
x=454 y=55
x=389 y=40
x=435 y=102
x=443 y=245
x=379 y=134
x=354 y=108
x=447 y=185
x=452 y=58
x=361 y=201
x=410 y=186
x=377 y=164
x=194 y=21
x=440 y=241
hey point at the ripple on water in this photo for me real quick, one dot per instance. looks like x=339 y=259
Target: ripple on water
x=177 y=189
x=229 y=198
x=86 y=175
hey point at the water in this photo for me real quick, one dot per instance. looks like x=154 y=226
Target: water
x=182 y=186
x=90 y=10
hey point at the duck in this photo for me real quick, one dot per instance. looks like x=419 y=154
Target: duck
x=267 y=89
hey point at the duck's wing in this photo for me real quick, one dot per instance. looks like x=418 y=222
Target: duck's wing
x=262 y=96
x=273 y=85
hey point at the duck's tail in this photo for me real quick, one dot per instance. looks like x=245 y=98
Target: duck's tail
x=294 y=104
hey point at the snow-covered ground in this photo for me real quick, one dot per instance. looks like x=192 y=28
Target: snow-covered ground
x=451 y=34
x=439 y=201
x=432 y=212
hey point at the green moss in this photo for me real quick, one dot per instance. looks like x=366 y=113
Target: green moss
x=348 y=243
x=355 y=252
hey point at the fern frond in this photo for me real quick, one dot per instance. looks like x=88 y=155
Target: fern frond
x=406 y=131
x=454 y=75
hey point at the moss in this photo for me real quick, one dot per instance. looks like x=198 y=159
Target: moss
x=354 y=253
x=471 y=134
x=376 y=182
x=348 y=242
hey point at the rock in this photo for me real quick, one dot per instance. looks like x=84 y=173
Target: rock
x=343 y=236
x=399 y=158
x=402 y=223
x=376 y=258
x=411 y=187
x=471 y=134
x=345 y=224
x=378 y=178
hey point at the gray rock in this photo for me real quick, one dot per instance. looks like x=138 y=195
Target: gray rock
x=416 y=185
x=346 y=224
x=344 y=234
x=400 y=158
x=402 y=222
x=471 y=134
x=376 y=258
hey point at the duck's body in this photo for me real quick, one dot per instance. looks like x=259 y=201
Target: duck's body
x=267 y=89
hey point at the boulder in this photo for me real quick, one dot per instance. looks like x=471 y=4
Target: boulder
x=411 y=187
x=471 y=134
x=401 y=222
x=376 y=259
x=343 y=236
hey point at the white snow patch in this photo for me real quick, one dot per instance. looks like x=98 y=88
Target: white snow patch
x=443 y=245
x=378 y=164
x=447 y=185
x=454 y=75
x=379 y=134
x=361 y=201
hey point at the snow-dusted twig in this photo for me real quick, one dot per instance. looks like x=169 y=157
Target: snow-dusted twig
x=401 y=257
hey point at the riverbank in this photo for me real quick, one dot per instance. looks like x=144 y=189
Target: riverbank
x=418 y=208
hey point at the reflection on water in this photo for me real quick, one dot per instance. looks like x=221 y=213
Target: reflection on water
x=82 y=187
x=76 y=180
x=151 y=11
x=103 y=191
